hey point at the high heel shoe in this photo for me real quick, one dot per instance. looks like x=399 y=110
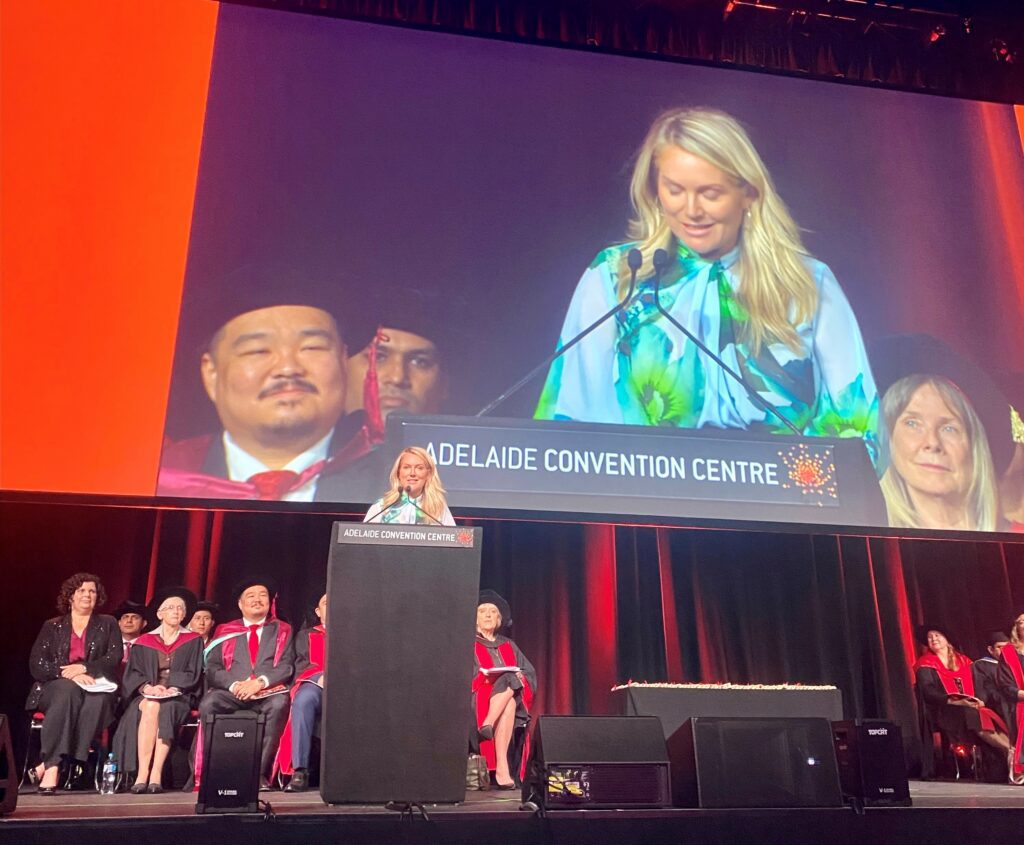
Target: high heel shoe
x=138 y=789
x=485 y=731
x=155 y=789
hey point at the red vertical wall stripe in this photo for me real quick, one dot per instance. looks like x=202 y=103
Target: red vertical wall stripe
x=601 y=618
x=669 y=619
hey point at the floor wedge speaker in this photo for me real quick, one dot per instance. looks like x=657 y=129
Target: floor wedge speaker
x=593 y=762
x=770 y=762
x=230 y=781
x=8 y=774
x=872 y=769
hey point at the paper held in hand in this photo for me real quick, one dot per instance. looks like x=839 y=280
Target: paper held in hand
x=163 y=695
x=498 y=670
x=100 y=685
x=269 y=691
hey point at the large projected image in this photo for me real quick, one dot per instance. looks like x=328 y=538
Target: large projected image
x=591 y=284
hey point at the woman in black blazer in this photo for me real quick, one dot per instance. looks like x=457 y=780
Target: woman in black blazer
x=72 y=652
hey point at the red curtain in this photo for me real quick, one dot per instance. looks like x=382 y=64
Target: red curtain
x=593 y=605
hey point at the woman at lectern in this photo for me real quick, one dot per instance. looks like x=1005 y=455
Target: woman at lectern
x=161 y=681
x=945 y=684
x=73 y=661
x=941 y=473
x=737 y=277
x=504 y=684
x=416 y=496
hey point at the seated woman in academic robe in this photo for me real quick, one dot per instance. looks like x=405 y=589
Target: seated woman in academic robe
x=1011 y=684
x=946 y=685
x=504 y=685
x=74 y=659
x=161 y=681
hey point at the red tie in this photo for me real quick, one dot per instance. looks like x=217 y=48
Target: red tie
x=254 y=644
x=273 y=484
x=127 y=651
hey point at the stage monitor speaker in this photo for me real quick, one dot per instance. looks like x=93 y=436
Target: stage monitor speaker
x=593 y=762
x=769 y=762
x=8 y=774
x=230 y=781
x=872 y=769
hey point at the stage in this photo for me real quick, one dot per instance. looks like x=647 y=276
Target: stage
x=975 y=813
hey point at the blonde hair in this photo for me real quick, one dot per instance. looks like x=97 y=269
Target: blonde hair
x=433 y=499
x=1018 y=643
x=776 y=288
x=981 y=501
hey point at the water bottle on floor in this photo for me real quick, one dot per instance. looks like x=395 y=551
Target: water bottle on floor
x=109 y=785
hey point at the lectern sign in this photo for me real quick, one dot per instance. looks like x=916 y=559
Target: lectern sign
x=407 y=535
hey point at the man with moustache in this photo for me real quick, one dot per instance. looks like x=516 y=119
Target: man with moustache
x=276 y=376
x=246 y=658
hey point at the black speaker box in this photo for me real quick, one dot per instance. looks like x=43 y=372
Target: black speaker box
x=872 y=769
x=8 y=774
x=593 y=762
x=770 y=762
x=230 y=781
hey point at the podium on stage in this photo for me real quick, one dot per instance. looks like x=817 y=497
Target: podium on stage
x=401 y=619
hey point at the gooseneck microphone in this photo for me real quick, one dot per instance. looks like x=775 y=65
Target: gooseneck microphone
x=634 y=260
x=394 y=504
x=661 y=262
x=415 y=504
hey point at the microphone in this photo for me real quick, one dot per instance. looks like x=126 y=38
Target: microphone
x=634 y=260
x=415 y=504
x=382 y=510
x=660 y=265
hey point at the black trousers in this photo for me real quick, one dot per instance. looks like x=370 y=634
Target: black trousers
x=274 y=710
x=73 y=718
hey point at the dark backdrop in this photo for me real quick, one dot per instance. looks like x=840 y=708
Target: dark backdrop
x=593 y=605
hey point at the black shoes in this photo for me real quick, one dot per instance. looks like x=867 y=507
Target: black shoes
x=264 y=785
x=138 y=789
x=155 y=789
x=485 y=732
x=299 y=781
x=46 y=790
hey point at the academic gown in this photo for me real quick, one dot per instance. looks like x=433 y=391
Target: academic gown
x=501 y=652
x=186 y=673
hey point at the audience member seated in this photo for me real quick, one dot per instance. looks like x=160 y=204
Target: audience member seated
x=986 y=678
x=501 y=699
x=307 y=700
x=163 y=676
x=945 y=684
x=131 y=619
x=203 y=620
x=1011 y=682
x=246 y=659
x=73 y=652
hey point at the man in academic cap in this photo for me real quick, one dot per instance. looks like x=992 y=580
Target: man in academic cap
x=307 y=702
x=249 y=663
x=273 y=365
x=204 y=620
x=131 y=619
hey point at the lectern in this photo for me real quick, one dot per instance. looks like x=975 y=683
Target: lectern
x=401 y=620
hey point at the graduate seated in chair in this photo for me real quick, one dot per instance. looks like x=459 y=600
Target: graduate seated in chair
x=249 y=662
x=307 y=701
x=945 y=683
x=504 y=685
x=161 y=683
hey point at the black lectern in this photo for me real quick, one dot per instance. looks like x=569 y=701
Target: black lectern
x=396 y=713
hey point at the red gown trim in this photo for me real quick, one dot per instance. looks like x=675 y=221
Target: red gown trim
x=151 y=640
x=317 y=638
x=482 y=686
x=961 y=682
x=1012 y=658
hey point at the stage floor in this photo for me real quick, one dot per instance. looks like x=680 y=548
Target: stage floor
x=937 y=814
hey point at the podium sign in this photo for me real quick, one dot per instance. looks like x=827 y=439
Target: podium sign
x=401 y=620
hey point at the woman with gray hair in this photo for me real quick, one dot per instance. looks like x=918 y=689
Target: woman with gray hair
x=940 y=473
